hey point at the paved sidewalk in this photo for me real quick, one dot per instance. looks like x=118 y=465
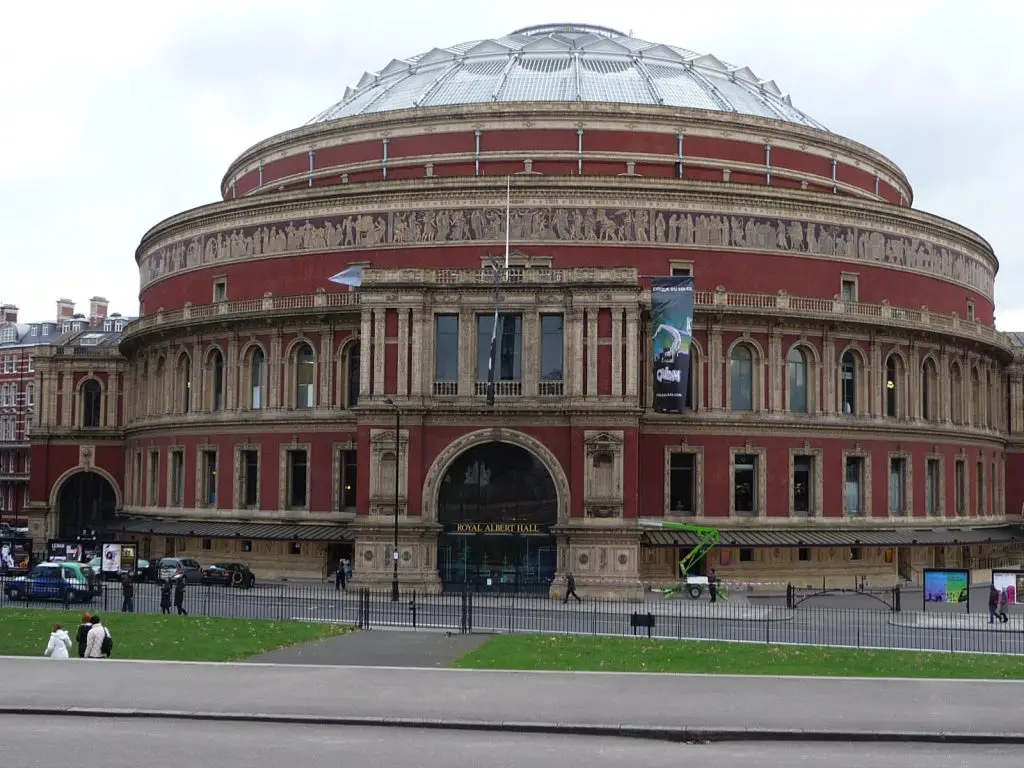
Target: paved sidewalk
x=624 y=704
x=378 y=648
x=955 y=621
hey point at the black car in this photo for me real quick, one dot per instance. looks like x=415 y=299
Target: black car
x=229 y=575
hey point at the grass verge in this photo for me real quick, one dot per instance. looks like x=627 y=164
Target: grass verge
x=611 y=654
x=167 y=638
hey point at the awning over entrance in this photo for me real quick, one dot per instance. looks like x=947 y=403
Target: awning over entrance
x=893 y=537
x=226 y=530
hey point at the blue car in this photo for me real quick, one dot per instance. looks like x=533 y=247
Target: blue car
x=67 y=582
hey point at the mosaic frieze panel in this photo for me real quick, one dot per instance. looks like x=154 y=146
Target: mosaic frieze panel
x=594 y=225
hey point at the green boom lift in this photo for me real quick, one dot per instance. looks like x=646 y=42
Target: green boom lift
x=708 y=538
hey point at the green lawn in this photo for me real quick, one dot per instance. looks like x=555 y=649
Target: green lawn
x=25 y=632
x=607 y=654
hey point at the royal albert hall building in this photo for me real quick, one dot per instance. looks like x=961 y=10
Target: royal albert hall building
x=849 y=411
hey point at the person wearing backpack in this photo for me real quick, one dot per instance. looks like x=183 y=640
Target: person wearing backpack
x=99 y=644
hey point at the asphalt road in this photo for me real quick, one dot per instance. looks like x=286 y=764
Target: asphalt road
x=739 y=619
x=844 y=706
x=119 y=744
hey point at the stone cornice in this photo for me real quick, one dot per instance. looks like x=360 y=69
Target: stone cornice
x=590 y=116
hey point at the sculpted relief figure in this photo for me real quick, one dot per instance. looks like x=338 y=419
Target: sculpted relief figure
x=537 y=224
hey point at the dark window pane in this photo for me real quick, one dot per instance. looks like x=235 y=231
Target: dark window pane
x=297 y=480
x=682 y=499
x=551 y=348
x=446 y=348
x=745 y=483
x=508 y=353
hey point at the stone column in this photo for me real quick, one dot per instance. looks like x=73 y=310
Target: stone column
x=632 y=356
x=875 y=380
x=715 y=372
x=402 y=370
x=574 y=350
x=617 y=330
x=67 y=392
x=232 y=375
x=110 y=392
x=326 y=395
x=365 y=354
x=592 y=343
x=776 y=366
x=275 y=366
x=467 y=353
x=420 y=350
x=531 y=354
x=197 y=400
x=829 y=374
x=945 y=388
x=912 y=384
x=380 y=346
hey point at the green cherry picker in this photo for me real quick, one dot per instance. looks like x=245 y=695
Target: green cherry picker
x=708 y=538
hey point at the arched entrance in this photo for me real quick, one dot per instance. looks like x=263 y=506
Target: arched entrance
x=496 y=503
x=85 y=502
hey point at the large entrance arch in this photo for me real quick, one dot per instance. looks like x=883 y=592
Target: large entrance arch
x=497 y=503
x=85 y=502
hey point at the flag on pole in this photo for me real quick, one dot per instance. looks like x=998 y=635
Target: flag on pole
x=352 y=277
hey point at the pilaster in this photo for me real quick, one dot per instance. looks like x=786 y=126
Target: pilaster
x=875 y=377
x=592 y=343
x=632 y=358
x=912 y=385
x=380 y=346
x=617 y=351
x=275 y=365
x=110 y=393
x=467 y=352
x=776 y=367
x=421 y=344
x=326 y=395
x=402 y=382
x=365 y=353
x=945 y=388
x=829 y=374
x=574 y=320
x=233 y=375
x=715 y=353
x=531 y=354
x=67 y=390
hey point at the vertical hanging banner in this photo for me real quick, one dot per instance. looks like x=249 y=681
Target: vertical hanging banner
x=671 y=333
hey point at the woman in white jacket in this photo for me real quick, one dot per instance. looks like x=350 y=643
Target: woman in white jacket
x=59 y=645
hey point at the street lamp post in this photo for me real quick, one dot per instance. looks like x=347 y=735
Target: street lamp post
x=394 y=552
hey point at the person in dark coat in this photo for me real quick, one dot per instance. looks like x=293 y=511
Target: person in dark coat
x=570 y=589
x=713 y=585
x=82 y=635
x=179 y=595
x=127 y=594
x=165 y=597
x=339 y=577
x=993 y=604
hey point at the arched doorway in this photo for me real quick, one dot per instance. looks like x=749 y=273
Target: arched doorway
x=85 y=502
x=497 y=503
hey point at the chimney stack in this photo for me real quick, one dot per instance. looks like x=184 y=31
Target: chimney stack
x=8 y=313
x=65 y=309
x=97 y=310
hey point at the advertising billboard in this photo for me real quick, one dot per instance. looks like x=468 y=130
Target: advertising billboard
x=671 y=335
x=950 y=586
x=1012 y=582
x=15 y=554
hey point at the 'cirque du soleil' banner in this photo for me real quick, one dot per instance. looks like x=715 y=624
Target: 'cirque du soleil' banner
x=671 y=333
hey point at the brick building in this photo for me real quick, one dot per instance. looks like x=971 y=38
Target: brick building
x=852 y=412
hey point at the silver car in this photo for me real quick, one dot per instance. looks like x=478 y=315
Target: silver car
x=170 y=567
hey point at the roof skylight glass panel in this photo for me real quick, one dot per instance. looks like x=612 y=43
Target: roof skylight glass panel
x=474 y=82
x=679 y=89
x=535 y=78
x=613 y=81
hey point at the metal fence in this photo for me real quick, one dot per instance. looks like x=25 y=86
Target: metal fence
x=778 y=619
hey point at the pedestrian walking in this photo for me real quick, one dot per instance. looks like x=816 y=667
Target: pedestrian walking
x=570 y=589
x=59 y=644
x=1004 y=601
x=99 y=643
x=165 y=597
x=127 y=594
x=179 y=595
x=82 y=635
x=993 y=604
x=340 y=577
x=713 y=585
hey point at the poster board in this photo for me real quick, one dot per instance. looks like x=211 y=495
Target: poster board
x=1012 y=582
x=15 y=554
x=947 y=586
x=66 y=551
x=119 y=558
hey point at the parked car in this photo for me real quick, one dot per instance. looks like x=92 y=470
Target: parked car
x=169 y=567
x=230 y=575
x=68 y=582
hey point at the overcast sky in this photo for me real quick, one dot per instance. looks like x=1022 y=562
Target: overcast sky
x=117 y=115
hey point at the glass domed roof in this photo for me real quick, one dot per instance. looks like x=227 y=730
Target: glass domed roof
x=566 y=63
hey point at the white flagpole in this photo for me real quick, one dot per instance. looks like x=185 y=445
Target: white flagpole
x=508 y=217
x=492 y=359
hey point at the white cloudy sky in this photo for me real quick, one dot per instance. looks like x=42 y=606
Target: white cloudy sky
x=116 y=115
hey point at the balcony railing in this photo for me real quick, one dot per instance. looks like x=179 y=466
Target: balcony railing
x=706 y=300
x=446 y=388
x=501 y=388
